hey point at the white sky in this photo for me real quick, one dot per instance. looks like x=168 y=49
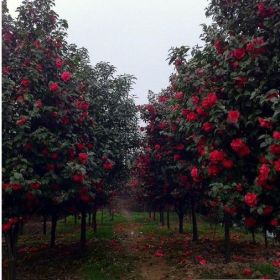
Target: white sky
x=133 y=35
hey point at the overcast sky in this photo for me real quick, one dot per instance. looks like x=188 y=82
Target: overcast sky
x=133 y=35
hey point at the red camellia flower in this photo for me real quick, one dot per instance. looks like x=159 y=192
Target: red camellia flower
x=276 y=165
x=264 y=172
x=240 y=81
x=65 y=120
x=21 y=121
x=58 y=62
x=195 y=99
x=217 y=156
x=265 y=123
x=80 y=146
x=8 y=36
x=54 y=156
x=191 y=117
x=263 y=11
x=228 y=163
x=195 y=173
x=16 y=186
x=218 y=47
x=256 y=46
x=53 y=87
x=274 y=222
x=250 y=222
x=239 y=187
x=39 y=104
x=180 y=147
x=240 y=147
x=66 y=76
x=276 y=263
x=230 y=210
x=179 y=95
x=233 y=116
x=35 y=185
x=238 y=53
x=247 y=271
x=276 y=135
x=207 y=127
x=267 y=210
x=250 y=199
x=177 y=157
x=213 y=170
x=78 y=178
x=83 y=157
x=201 y=260
x=108 y=165
x=157 y=147
x=274 y=149
x=209 y=101
x=25 y=82
x=6 y=227
x=159 y=253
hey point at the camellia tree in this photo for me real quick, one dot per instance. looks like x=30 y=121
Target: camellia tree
x=230 y=107
x=53 y=160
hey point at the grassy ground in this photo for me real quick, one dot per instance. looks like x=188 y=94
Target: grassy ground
x=128 y=247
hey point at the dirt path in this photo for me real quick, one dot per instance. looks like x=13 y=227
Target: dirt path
x=149 y=267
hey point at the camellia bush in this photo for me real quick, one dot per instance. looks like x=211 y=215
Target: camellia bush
x=223 y=111
x=68 y=128
x=231 y=111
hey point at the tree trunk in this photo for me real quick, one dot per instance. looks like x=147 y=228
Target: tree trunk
x=194 y=222
x=20 y=231
x=83 y=230
x=89 y=219
x=11 y=241
x=227 y=237
x=102 y=216
x=168 y=218
x=94 y=223
x=265 y=238
x=75 y=219
x=154 y=215
x=162 y=218
x=181 y=222
x=53 y=230
x=253 y=236
x=45 y=225
x=150 y=214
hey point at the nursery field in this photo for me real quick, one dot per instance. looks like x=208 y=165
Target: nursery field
x=134 y=246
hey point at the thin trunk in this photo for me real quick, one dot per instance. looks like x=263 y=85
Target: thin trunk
x=45 y=225
x=168 y=218
x=162 y=218
x=194 y=222
x=253 y=236
x=83 y=229
x=75 y=219
x=227 y=237
x=181 y=222
x=94 y=223
x=265 y=238
x=89 y=219
x=150 y=214
x=20 y=231
x=53 y=230
x=102 y=216
x=11 y=241
x=154 y=215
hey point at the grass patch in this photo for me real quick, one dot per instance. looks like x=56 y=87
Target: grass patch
x=264 y=268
